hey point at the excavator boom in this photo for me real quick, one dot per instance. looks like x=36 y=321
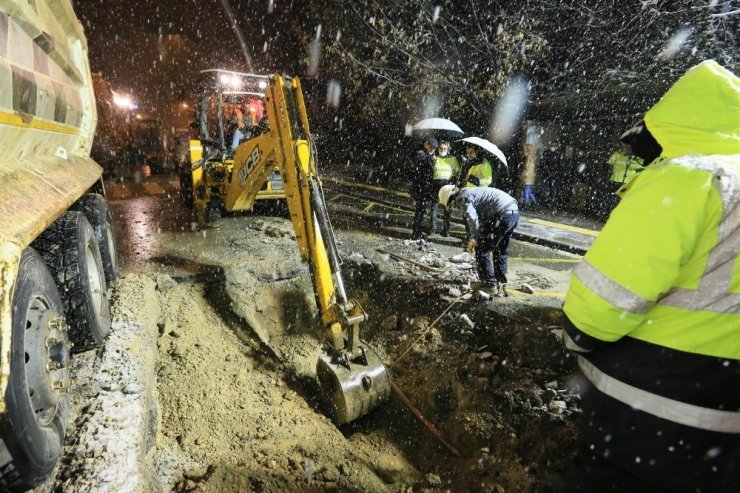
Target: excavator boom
x=352 y=376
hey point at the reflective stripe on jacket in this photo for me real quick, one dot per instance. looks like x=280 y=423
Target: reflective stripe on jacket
x=660 y=289
x=482 y=171
x=446 y=168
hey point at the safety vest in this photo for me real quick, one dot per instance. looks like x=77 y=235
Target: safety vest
x=623 y=167
x=446 y=168
x=662 y=281
x=482 y=171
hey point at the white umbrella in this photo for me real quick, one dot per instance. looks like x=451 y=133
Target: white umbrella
x=486 y=145
x=437 y=124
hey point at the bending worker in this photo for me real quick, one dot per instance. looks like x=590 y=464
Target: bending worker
x=446 y=171
x=491 y=215
x=653 y=310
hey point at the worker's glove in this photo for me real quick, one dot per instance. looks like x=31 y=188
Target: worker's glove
x=470 y=246
x=528 y=195
x=474 y=180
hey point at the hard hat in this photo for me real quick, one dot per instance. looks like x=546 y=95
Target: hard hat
x=446 y=192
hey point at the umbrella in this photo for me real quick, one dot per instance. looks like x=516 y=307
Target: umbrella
x=486 y=145
x=438 y=124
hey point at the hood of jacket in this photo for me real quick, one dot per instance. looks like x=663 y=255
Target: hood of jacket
x=700 y=113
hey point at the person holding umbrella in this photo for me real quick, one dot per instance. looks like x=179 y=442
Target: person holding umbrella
x=446 y=171
x=491 y=216
x=422 y=184
x=479 y=169
x=479 y=172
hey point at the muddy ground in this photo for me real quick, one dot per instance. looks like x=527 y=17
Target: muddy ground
x=234 y=404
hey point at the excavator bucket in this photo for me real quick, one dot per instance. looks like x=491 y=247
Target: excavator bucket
x=352 y=388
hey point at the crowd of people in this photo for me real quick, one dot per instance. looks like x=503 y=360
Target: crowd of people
x=491 y=215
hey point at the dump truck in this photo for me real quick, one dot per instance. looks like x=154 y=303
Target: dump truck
x=352 y=377
x=57 y=247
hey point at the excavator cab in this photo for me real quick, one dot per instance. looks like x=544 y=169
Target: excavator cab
x=353 y=379
x=229 y=104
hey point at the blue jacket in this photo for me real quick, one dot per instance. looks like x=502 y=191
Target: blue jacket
x=483 y=205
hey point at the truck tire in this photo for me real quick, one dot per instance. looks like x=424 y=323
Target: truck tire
x=95 y=208
x=187 y=196
x=71 y=252
x=32 y=434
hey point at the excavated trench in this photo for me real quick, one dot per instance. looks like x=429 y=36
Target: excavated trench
x=494 y=381
x=239 y=401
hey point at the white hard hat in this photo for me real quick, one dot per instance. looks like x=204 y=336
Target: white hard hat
x=445 y=192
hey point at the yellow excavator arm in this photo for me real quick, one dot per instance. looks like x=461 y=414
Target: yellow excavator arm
x=351 y=374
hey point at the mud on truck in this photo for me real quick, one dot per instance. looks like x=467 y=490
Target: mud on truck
x=57 y=249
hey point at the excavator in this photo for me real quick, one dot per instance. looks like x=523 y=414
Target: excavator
x=352 y=377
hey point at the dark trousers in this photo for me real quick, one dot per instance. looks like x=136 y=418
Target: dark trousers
x=437 y=208
x=493 y=240
x=624 y=449
x=422 y=203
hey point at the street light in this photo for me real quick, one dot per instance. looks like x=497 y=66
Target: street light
x=123 y=101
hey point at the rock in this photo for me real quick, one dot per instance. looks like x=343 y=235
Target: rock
x=461 y=258
x=309 y=468
x=526 y=288
x=465 y=266
x=483 y=295
x=466 y=320
x=132 y=388
x=196 y=473
x=548 y=395
x=557 y=407
x=552 y=385
x=433 y=480
x=389 y=467
x=174 y=334
x=356 y=256
x=454 y=292
x=330 y=474
x=390 y=323
x=165 y=282
x=273 y=231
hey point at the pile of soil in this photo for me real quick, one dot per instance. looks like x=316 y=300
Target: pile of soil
x=234 y=420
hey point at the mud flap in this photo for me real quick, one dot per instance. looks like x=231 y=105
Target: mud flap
x=352 y=389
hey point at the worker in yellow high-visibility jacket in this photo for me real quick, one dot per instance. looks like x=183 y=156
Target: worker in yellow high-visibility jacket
x=446 y=172
x=479 y=169
x=653 y=310
x=624 y=167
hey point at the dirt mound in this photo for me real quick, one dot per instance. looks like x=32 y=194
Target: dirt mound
x=231 y=421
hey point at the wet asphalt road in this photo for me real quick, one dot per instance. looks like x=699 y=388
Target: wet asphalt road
x=142 y=211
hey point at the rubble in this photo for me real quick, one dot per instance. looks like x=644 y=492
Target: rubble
x=464 y=318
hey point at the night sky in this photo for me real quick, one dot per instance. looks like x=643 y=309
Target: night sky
x=153 y=50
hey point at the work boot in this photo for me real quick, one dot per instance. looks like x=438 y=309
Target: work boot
x=501 y=291
x=489 y=287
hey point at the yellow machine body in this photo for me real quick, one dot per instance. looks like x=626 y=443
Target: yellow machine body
x=353 y=378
